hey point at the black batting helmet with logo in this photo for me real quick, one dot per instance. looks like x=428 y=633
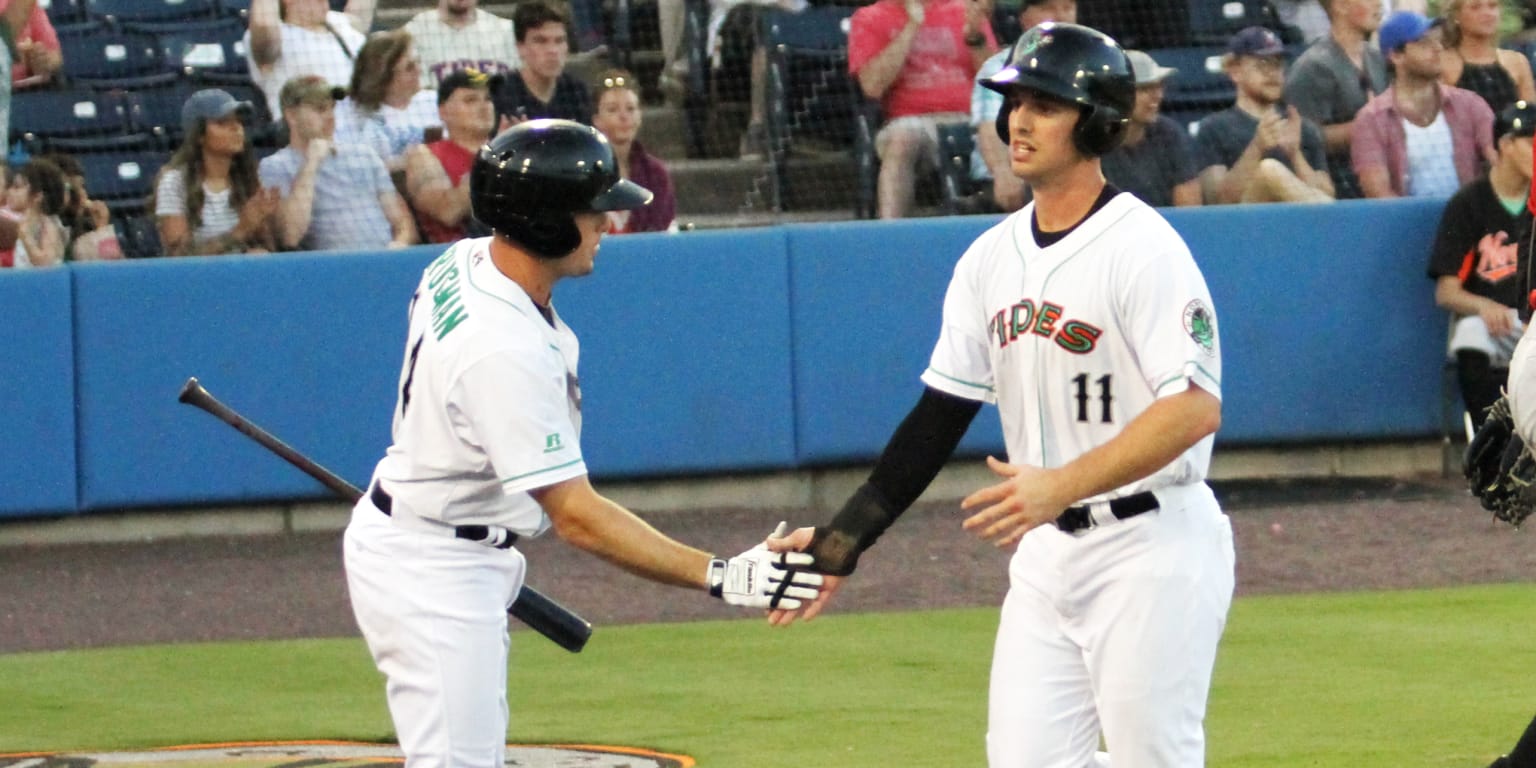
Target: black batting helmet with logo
x=1076 y=64
x=527 y=182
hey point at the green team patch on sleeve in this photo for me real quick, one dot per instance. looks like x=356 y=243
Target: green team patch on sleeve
x=447 y=305
x=1200 y=324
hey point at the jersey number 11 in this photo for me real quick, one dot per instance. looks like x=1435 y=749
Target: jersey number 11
x=1105 y=399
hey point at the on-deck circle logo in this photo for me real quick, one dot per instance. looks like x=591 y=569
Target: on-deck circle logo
x=338 y=754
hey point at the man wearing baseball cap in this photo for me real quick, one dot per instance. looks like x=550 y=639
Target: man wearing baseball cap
x=334 y=196
x=436 y=173
x=1420 y=137
x=1156 y=160
x=1473 y=262
x=1259 y=150
x=989 y=160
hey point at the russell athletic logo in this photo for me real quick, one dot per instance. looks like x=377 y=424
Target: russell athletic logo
x=338 y=754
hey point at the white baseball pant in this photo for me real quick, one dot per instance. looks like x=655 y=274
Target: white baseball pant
x=433 y=609
x=1113 y=630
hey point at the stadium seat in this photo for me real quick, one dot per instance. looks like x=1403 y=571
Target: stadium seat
x=1211 y=22
x=164 y=14
x=240 y=9
x=1201 y=83
x=138 y=235
x=63 y=13
x=956 y=142
x=807 y=85
x=209 y=50
x=157 y=110
x=113 y=58
x=74 y=120
x=124 y=180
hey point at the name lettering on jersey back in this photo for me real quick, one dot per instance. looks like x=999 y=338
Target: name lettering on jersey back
x=1027 y=319
x=447 y=306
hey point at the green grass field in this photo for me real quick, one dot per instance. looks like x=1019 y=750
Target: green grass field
x=1436 y=678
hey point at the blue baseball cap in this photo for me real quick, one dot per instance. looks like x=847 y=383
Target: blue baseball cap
x=212 y=104
x=1256 y=41
x=1402 y=28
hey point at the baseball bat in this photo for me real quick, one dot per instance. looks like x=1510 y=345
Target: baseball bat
x=542 y=614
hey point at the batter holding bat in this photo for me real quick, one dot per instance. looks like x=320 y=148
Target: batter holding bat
x=1086 y=320
x=487 y=449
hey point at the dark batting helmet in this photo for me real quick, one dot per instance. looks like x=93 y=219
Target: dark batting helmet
x=1076 y=64
x=527 y=182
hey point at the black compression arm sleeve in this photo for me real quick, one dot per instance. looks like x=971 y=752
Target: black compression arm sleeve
x=912 y=458
x=920 y=447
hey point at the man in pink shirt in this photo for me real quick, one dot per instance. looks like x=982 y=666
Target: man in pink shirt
x=1420 y=137
x=918 y=58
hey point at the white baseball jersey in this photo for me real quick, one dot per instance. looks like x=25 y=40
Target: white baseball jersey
x=1074 y=340
x=476 y=337
x=1521 y=386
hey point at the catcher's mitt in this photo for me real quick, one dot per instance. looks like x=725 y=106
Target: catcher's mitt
x=1500 y=469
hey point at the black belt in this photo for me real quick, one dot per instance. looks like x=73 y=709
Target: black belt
x=1077 y=518
x=480 y=534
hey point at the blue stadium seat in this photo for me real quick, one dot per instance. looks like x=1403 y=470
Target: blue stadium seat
x=112 y=58
x=807 y=86
x=124 y=180
x=1211 y=22
x=74 y=120
x=1202 y=82
x=138 y=235
x=956 y=142
x=240 y=9
x=157 y=110
x=63 y=13
x=163 y=13
x=206 y=49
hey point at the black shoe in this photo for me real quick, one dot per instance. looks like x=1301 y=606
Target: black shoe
x=1501 y=762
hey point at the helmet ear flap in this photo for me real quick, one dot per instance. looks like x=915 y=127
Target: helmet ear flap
x=1099 y=130
x=548 y=234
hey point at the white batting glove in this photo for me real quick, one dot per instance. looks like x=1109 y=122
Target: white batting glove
x=758 y=578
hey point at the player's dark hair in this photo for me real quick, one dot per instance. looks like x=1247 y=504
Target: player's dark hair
x=536 y=13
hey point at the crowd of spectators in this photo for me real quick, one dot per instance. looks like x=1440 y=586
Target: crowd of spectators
x=379 y=129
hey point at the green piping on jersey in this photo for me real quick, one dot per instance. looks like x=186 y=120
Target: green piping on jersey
x=1176 y=377
x=962 y=382
x=515 y=478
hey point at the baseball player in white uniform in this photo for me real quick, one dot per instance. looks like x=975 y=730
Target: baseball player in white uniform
x=1086 y=320
x=487 y=449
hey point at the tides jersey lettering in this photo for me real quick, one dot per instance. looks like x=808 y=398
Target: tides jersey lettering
x=1073 y=341
x=476 y=336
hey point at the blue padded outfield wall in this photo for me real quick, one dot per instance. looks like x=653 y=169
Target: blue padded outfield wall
x=708 y=352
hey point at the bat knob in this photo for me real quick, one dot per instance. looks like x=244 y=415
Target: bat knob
x=188 y=390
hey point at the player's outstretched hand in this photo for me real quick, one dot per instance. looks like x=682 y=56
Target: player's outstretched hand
x=798 y=541
x=1022 y=502
x=759 y=578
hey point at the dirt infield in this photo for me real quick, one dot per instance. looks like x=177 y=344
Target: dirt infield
x=1292 y=536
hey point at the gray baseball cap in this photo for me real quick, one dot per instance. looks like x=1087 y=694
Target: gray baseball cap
x=1146 y=69
x=212 y=104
